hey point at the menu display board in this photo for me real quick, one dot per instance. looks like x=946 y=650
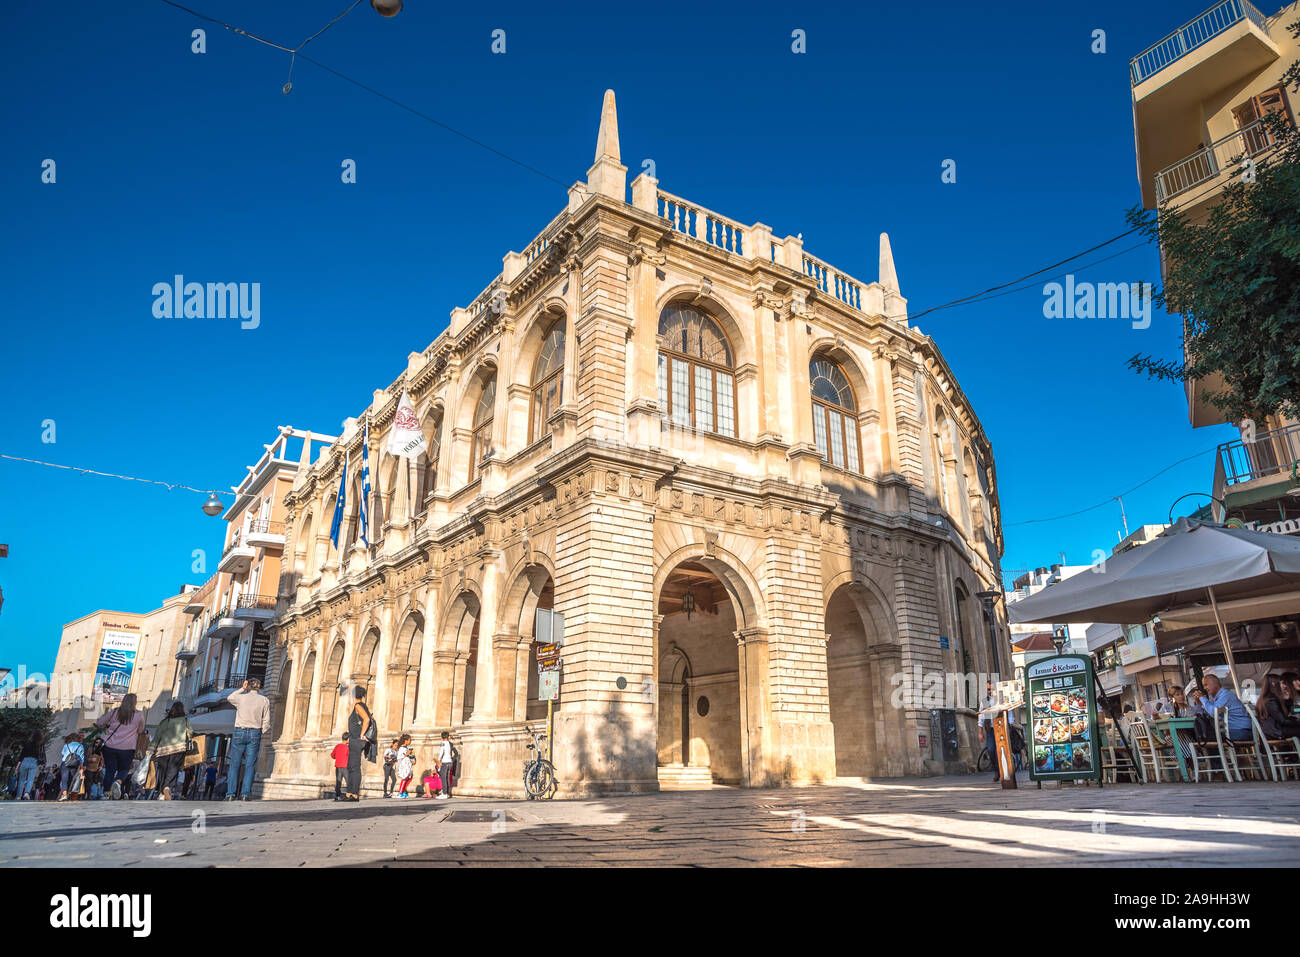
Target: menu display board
x=1062 y=704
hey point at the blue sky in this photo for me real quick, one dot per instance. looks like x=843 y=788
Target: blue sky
x=171 y=162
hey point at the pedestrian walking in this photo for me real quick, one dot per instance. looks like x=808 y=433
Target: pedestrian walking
x=252 y=720
x=405 y=765
x=171 y=740
x=124 y=739
x=390 y=769
x=363 y=736
x=447 y=765
x=29 y=763
x=340 y=756
x=209 y=781
x=71 y=759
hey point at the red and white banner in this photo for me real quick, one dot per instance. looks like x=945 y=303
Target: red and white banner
x=406 y=439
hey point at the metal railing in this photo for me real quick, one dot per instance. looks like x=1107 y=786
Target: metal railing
x=261 y=602
x=1272 y=453
x=264 y=526
x=1191 y=35
x=1208 y=163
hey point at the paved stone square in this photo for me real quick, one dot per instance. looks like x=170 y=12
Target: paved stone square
x=909 y=822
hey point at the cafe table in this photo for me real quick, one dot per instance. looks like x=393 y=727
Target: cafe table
x=1169 y=728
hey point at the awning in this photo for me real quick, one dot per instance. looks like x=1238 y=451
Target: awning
x=1240 y=609
x=221 y=721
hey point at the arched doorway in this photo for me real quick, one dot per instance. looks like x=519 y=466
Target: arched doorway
x=701 y=719
x=850 y=683
x=331 y=689
x=302 y=699
x=404 y=674
x=455 y=661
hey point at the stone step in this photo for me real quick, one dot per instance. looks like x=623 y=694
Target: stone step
x=676 y=777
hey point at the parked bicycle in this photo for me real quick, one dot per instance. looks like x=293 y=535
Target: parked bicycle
x=539 y=773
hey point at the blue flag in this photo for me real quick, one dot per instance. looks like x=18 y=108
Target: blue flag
x=364 y=516
x=338 y=506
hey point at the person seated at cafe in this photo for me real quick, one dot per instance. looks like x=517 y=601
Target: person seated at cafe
x=1177 y=702
x=1217 y=696
x=1290 y=685
x=1275 y=719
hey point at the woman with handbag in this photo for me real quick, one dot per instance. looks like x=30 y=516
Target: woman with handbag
x=362 y=735
x=123 y=730
x=171 y=743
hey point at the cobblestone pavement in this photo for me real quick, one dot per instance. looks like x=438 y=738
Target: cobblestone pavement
x=921 y=822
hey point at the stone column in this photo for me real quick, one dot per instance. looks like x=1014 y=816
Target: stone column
x=485 y=688
x=755 y=710
x=426 y=697
x=317 y=675
x=505 y=659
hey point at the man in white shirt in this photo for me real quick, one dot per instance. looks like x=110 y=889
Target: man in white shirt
x=989 y=738
x=252 y=720
x=446 y=761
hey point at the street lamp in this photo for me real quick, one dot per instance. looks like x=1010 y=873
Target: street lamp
x=213 y=505
x=988 y=597
x=387 y=8
x=1059 y=638
x=1189 y=495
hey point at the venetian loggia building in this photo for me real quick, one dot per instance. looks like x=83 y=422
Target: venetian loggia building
x=755 y=498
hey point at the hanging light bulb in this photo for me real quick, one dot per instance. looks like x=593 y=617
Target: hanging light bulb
x=387 y=8
x=213 y=505
x=688 y=604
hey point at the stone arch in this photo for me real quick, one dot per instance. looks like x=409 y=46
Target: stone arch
x=674 y=705
x=529 y=339
x=862 y=655
x=741 y=584
x=719 y=634
x=302 y=697
x=456 y=662
x=365 y=667
x=532 y=587
x=687 y=294
x=404 y=672
x=332 y=687
x=284 y=699
x=835 y=349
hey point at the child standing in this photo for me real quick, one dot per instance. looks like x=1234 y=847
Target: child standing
x=405 y=765
x=390 y=768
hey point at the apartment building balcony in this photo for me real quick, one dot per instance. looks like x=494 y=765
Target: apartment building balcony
x=1258 y=473
x=213 y=692
x=264 y=533
x=238 y=557
x=225 y=625
x=1228 y=41
x=187 y=651
x=194 y=604
x=1199 y=177
x=255 y=608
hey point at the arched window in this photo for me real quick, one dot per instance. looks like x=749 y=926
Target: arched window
x=548 y=382
x=481 y=445
x=427 y=463
x=835 y=422
x=697 y=388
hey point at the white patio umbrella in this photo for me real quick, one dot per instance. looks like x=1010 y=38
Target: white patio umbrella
x=1182 y=565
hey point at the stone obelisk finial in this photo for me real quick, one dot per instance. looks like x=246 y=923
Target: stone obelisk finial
x=608 y=176
x=895 y=304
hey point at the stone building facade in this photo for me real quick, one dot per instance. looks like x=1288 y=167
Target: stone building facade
x=757 y=499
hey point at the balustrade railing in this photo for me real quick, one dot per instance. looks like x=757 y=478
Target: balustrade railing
x=1206 y=164
x=832 y=282
x=704 y=225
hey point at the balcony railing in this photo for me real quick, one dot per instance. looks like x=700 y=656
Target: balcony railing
x=1208 y=163
x=1273 y=453
x=1191 y=35
x=264 y=526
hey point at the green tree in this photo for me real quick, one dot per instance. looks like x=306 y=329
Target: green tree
x=1235 y=281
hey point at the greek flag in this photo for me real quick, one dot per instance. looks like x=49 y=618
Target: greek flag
x=338 y=505
x=363 y=515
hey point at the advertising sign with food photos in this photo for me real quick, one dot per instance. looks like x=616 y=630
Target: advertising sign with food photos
x=1062 y=706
